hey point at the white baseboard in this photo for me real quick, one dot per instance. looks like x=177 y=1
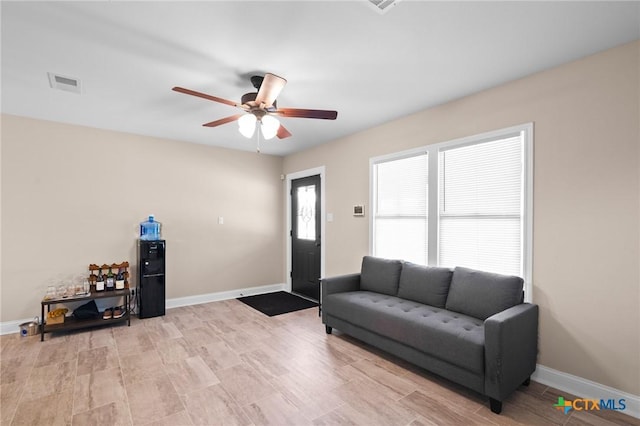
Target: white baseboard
x=223 y=295
x=9 y=327
x=585 y=388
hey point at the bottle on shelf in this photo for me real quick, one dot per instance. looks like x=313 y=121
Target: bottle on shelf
x=120 y=280
x=110 y=281
x=100 y=281
x=93 y=278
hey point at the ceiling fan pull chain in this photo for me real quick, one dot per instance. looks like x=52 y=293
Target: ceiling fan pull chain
x=258 y=135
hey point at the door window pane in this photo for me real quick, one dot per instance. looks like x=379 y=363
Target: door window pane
x=306 y=214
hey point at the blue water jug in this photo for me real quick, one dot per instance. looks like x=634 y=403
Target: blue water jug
x=150 y=229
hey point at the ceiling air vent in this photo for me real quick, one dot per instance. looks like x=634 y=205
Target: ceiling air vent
x=382 y=6
x=68 y=84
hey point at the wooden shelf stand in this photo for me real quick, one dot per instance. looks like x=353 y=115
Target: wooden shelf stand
x=72 y=323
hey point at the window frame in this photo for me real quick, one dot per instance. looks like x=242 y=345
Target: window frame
x=433 y=151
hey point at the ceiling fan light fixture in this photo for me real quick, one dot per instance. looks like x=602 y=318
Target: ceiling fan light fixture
x=270 y=126
x=247 y=125
x=259 y=107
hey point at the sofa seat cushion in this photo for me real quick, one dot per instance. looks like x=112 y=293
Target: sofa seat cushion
x=449 y=336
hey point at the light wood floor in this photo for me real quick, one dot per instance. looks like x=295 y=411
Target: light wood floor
x=223 y=363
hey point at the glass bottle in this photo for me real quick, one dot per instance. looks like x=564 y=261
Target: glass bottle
x=51 y=292
x=120 y=280
x=110 y=281
x=100 y=281
x=92 y=278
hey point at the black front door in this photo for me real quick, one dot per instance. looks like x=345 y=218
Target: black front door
x=305 y=236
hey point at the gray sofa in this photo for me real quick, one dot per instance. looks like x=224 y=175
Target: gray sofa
x=468 y=326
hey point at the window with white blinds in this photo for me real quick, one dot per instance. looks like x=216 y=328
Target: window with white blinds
x=401 y=208
x=480 y=206
x=476 y=211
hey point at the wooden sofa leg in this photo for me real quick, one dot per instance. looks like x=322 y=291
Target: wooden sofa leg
x=527 y=382
x=328 y=329
x=496 y=406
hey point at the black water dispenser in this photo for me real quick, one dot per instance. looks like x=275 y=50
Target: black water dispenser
x=151 y=278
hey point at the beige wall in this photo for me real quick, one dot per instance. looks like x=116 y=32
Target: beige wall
x=586 y=201
x=74 y=195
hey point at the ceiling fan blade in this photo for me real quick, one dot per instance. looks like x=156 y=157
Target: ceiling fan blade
x=223 y=120
x=205 y=96
x=270 y=88
x=307 y=113
x=283 y=133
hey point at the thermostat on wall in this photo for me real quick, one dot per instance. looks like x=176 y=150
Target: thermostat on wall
x=358 y=210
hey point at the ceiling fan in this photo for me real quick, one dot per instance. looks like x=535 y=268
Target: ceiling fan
x=260 y=107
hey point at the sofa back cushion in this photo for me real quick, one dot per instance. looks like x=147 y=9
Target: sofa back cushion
x=380 y=275
x=425 y=284
x=482 y=294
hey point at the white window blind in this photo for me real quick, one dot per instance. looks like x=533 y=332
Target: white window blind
x=400 y=208
x=480 y=206
x=465 y=202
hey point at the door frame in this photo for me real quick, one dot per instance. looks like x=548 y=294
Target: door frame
x=298 y=175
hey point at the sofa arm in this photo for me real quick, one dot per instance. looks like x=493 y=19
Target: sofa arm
x=340 y=284
x=511 y=349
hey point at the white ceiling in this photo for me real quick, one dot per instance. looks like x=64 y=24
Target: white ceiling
x=340 y=55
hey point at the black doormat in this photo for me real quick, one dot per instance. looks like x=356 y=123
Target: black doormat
x=277 y=303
